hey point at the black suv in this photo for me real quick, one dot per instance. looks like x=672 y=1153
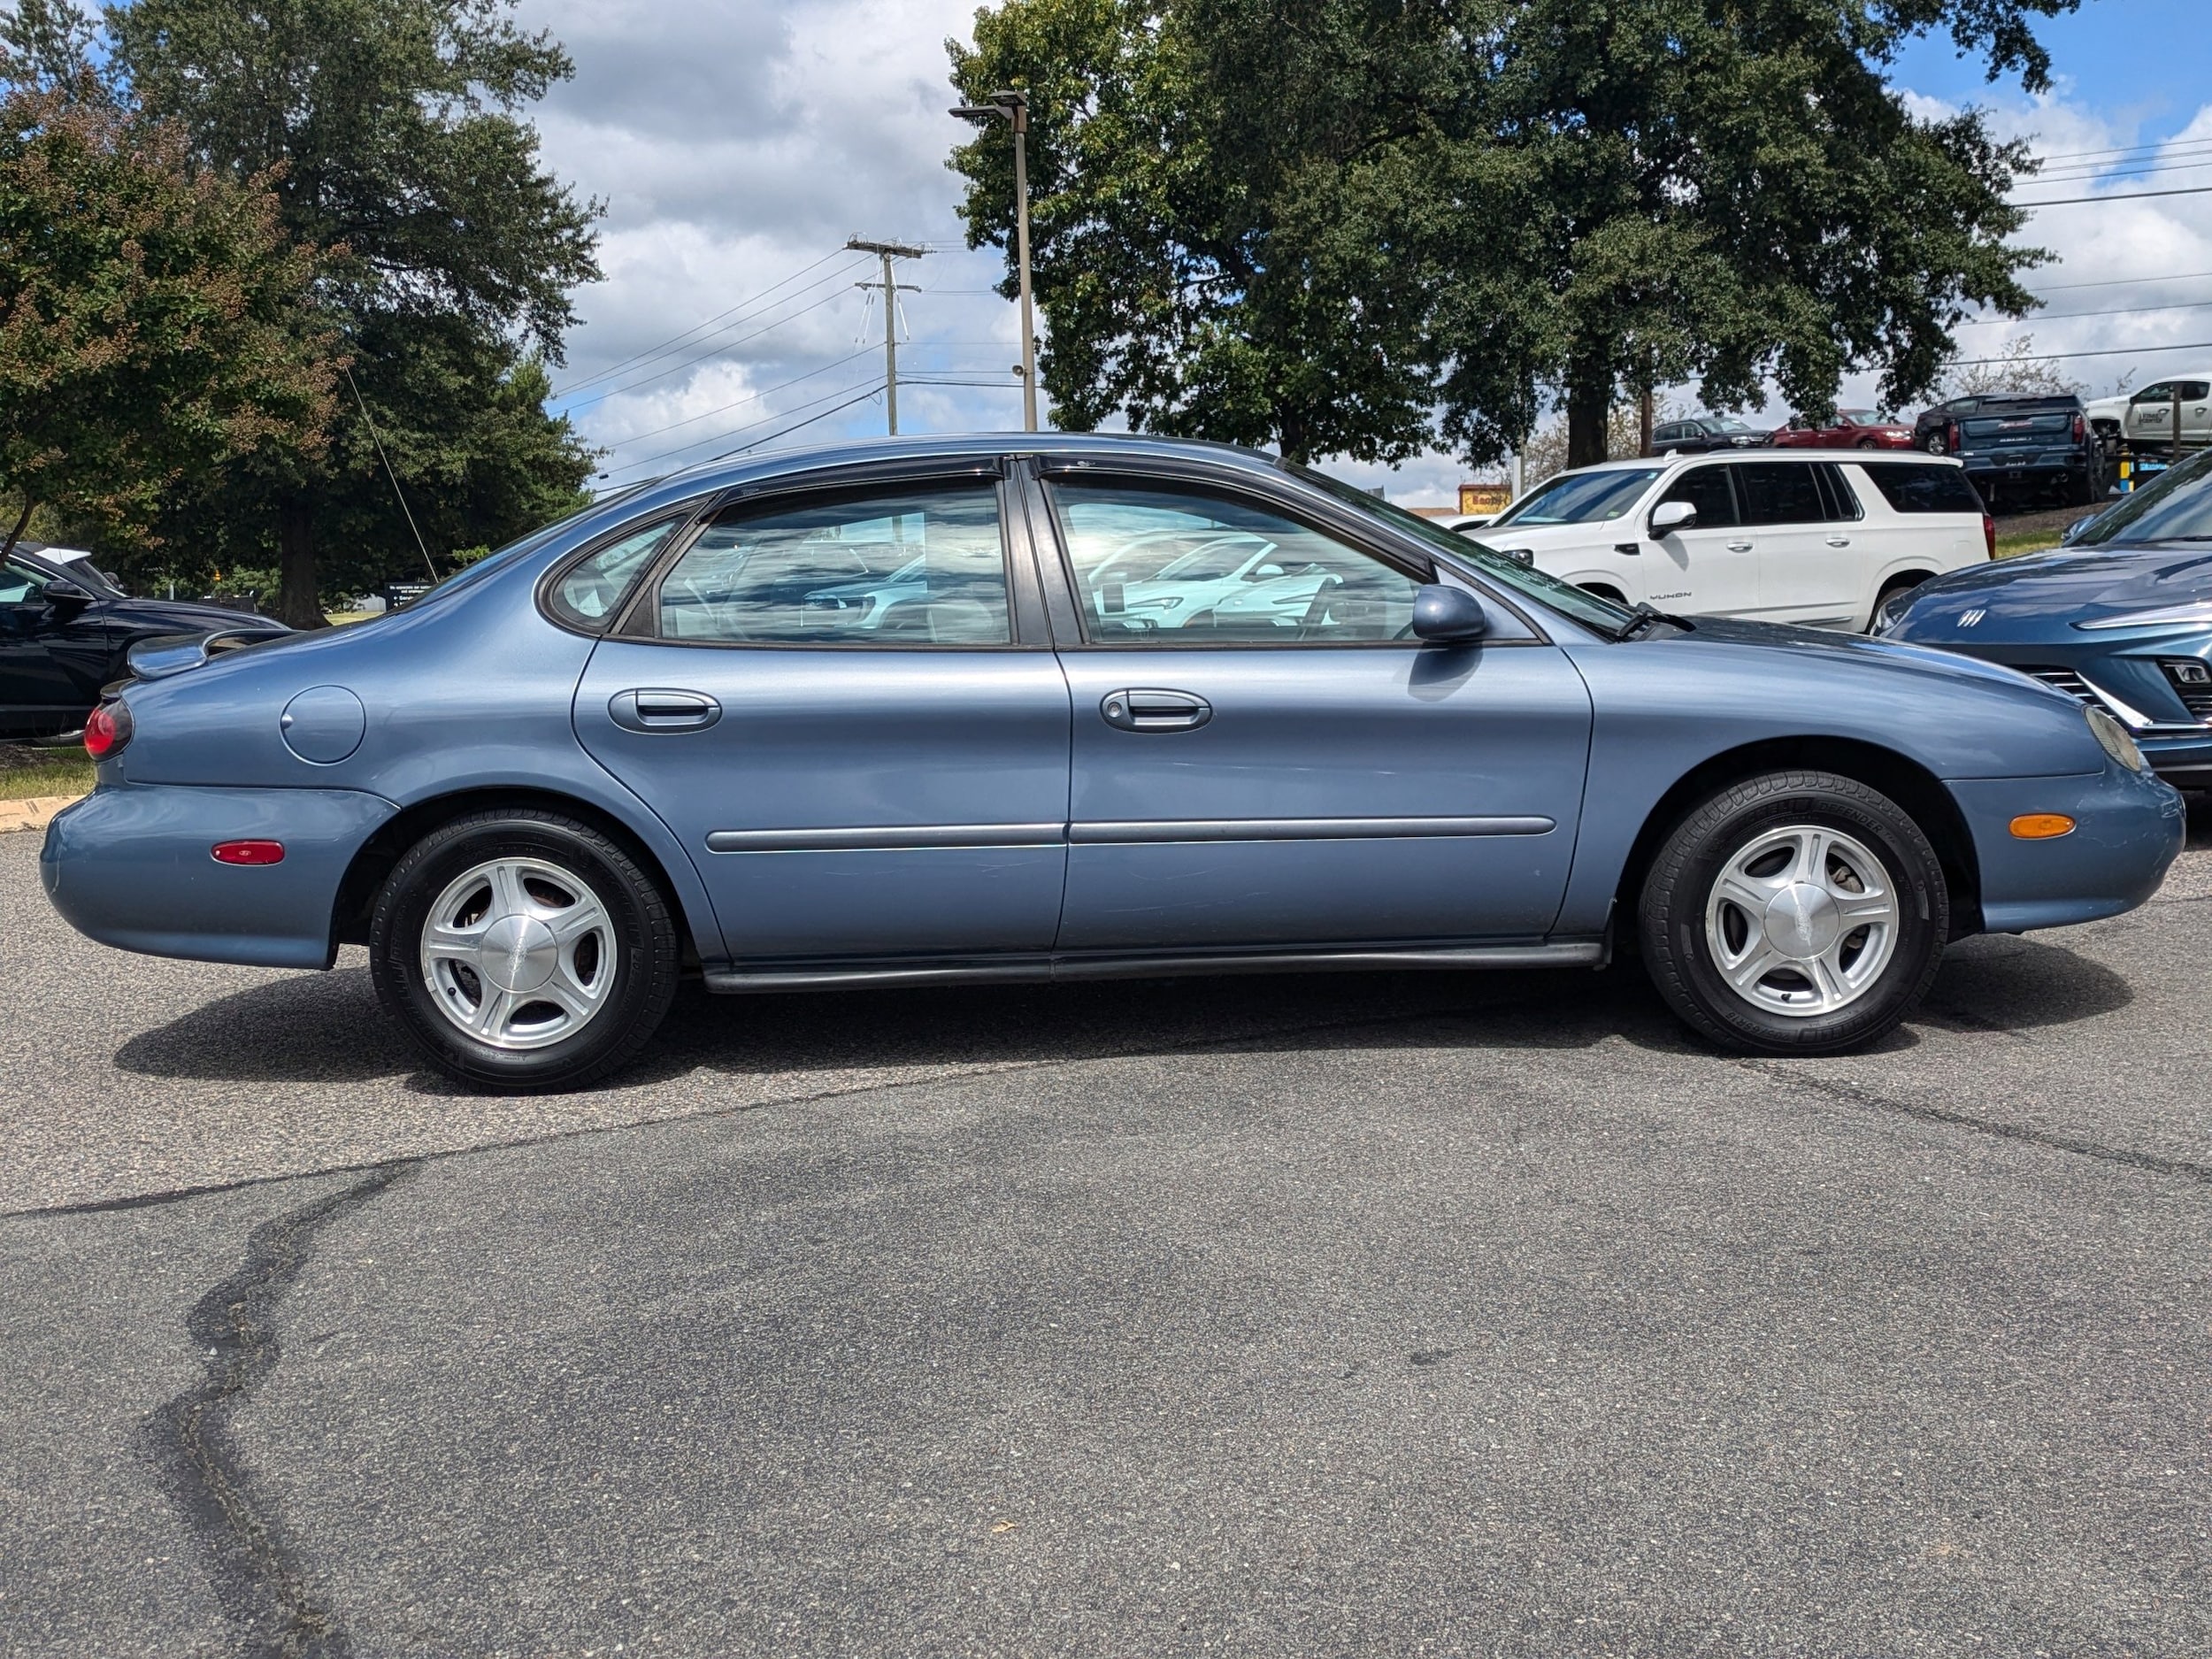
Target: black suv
x=2019 y=443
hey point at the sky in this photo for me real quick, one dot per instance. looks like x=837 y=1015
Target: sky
x=737 y=145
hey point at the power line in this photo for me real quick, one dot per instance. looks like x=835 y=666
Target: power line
x=750 y=397
x=2060 y=317
x=2125 y=282
x=651 y=352
x=716 y=437
x=2058 y=357
x=726 y=346
x=2122 y=150
x=2130 y=196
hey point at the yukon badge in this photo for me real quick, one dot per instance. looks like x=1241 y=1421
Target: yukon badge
x=1968 y=618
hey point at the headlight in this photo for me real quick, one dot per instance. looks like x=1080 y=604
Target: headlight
x=2198 y=614
x=2114 y=739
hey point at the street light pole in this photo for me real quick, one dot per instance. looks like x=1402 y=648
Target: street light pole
x=1015 y=107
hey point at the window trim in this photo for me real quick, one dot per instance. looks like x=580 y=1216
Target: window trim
x=640 y=620
x=1322 y=516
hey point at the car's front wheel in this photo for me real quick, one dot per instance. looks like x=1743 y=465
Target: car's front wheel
x=1794 y=913
x=523 y=950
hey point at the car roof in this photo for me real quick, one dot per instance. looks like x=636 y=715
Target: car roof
x=954 y=446
x=1793 y=452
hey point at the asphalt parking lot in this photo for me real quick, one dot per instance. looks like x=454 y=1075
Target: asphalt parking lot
x=1320 y=1315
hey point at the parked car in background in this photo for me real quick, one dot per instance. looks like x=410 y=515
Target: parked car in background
x=1851 y=429
x=65 y=633
x=623 y=746
x=2146 y=418
x=73 y=562
x=2024 y=443
x=1823 y=539
x=1702 y=433
x=2121 y=617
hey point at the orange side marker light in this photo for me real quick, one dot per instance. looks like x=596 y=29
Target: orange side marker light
x=2042 y=826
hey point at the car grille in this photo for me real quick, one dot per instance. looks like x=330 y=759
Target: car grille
x=2193 y=684
x=2066 y=679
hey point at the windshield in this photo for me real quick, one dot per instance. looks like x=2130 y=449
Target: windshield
x=1525 y=579
x=2176 y=508
x=1580 y=498
x=1725 y=422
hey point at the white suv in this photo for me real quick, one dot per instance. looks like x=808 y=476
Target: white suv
x=1822 y=537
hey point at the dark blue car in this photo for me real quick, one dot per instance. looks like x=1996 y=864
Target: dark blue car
x=2120 y=617
x=646 y=742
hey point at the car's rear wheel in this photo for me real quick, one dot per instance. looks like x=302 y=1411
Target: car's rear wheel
x=523 y=951
x=1794 y=913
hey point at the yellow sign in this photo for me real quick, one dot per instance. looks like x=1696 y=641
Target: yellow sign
x=1485 y=498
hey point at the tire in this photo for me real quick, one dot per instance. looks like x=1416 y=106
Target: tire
x=1935 y=445
x=1891 y=588
x=1868 y=443
x=546 y=904
x=1748 y=844
x=2085 y=488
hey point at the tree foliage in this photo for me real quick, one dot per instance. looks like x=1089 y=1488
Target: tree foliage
x=155 y=320
x=1341 y=225
x=393 y=130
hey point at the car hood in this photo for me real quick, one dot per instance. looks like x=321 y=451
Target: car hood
x=1826 y=645
x=2042 y=595
x=173 y=616
x=1543 y=538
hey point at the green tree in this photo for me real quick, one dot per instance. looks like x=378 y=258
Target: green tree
x=394 y=133
x=1463 y=210
x=155 y=320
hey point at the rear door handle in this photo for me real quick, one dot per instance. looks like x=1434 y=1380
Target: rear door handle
x=1839 y=540
x=1141 y=708
x=1739 y=546
x=659 y=708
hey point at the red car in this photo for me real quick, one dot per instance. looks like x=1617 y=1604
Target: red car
x=1852 y=429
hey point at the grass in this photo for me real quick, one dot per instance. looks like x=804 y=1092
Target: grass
x=2025 y=542
x=25 y=772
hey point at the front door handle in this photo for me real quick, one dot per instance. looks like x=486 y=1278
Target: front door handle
x=1144 y=710
x=1739 y=546
x=1839 y=540
x=659 y=708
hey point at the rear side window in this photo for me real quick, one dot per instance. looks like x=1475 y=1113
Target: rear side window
x=1910 y=488
x=592 y=590
x=1706 y=488
x=1780 y=492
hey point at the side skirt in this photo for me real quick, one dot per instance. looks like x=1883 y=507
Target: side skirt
x=1573 y=953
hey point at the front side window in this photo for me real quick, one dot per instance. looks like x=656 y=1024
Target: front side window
x=1706 y=488
x=2162 y=393
x=1582 y=498
x=1779 y=493
x=914 y=567
x=1167 y=567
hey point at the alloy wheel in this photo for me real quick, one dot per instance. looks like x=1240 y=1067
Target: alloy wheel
x=1801 y=920
x=518 y=953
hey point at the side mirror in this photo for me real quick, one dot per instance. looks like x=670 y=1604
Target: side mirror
x=61 y=591
x=2067 y=536
x=1669 y=516
x=1448 y=616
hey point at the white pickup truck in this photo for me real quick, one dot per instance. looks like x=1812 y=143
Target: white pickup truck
x=2148 y=417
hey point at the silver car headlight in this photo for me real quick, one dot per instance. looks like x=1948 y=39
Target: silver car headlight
x=2114 y=739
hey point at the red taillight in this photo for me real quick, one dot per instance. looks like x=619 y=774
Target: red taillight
x=2081 y=430
x=248 y=852
x=1989 y=534
x=1951 y=436
x=107 y=730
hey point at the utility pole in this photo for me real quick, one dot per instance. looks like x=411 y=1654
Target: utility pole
x=887 y=251
x=1015 y=107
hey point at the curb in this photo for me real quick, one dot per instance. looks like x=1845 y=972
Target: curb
x=34 y=813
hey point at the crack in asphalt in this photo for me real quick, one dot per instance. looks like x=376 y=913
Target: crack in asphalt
x=263 y=1588
x=1857 y=1094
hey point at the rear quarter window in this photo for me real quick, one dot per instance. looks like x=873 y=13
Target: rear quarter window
x=1909 y=488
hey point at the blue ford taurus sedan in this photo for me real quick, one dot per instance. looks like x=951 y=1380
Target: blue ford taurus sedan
x=662 y=737
x=2121 y=617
